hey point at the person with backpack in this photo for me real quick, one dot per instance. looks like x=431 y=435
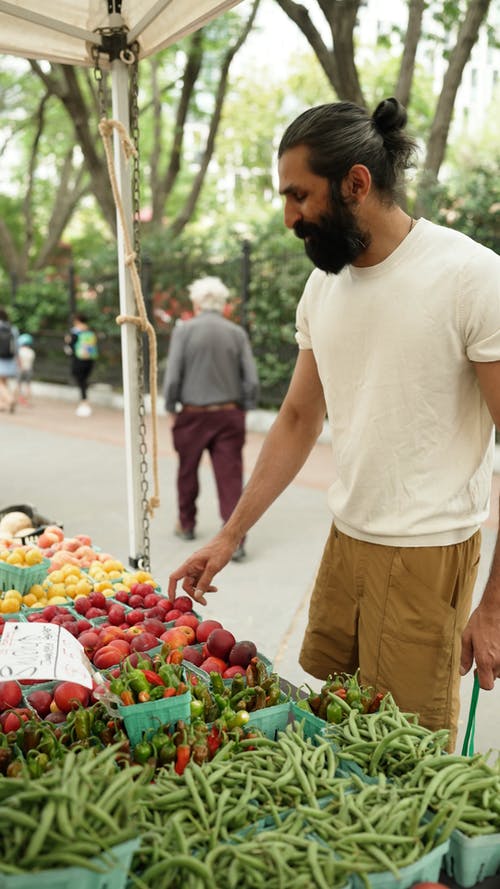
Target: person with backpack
x=82 y=346
x=8 y=361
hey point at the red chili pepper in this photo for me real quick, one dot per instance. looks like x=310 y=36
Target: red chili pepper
x=127 y=698
x=340 y=693
x=214 y=741
x=175 y=656
x=183 y=754
x=153 y=677
x=375 y=704
x=169 y=693
x=181 y=688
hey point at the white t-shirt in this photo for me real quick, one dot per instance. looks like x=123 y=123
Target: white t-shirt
x=412 y=436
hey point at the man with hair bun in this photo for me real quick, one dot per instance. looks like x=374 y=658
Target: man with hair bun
x=211 y=381
x=398 y=331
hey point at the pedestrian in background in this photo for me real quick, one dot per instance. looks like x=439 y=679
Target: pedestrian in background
x=81 y=344
x=26 y=359
x=8 y=361
x=211 y=380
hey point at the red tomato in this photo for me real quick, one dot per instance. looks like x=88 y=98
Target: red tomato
x=429 y=886
x=10 y=694
x=69 y=695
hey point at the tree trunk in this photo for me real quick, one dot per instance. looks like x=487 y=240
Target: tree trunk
x=338 y=61
x=407 y=67
x=467 y=36
x=187 y=210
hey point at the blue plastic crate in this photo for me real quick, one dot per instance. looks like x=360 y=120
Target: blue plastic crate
x=115 y=865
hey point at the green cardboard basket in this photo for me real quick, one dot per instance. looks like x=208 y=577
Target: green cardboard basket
x=426 y=869
x=469 y=860
x=313 y=725
x=22 y=579
x=115 y=865
x=271 y=720
x=148 y=717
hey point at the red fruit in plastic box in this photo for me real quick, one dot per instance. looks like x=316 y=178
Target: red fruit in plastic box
x=150 y=600
x=49 y=612
x=10 y=694
x=204 y=629
x=82 y=604
x=187 y=620
x=83 y=625
x=96 y=612
x=89 y=639
x=213 y=664
x=97 y=600
x=242 y=653
x=40 y=700
x=220 y=643
x=143 y=642
x=183 y=603
x=165 y=604
x=134 y=616
x=173 y=614
x=156 y=627
x=136 y=601
x=69 y=695
x=122 y=596
x=193 y=655
x=142 y=589
x=231 y=672
x=116 y=614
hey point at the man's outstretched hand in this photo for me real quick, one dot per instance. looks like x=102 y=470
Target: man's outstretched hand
x=198 y=570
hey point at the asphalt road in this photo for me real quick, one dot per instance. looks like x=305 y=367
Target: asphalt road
x=73 y=470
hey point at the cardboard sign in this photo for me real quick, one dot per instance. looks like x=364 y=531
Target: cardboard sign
x=39 y=651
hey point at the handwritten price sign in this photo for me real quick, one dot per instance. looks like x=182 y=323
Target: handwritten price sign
x=43 y=651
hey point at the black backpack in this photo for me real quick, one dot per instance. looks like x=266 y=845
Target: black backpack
x=7 y=343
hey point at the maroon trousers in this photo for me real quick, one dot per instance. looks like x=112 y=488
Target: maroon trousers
x=222 y=434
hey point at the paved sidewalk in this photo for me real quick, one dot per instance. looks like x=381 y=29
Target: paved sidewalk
x=73 y=470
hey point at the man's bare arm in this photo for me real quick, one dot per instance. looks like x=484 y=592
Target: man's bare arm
x=481 y=638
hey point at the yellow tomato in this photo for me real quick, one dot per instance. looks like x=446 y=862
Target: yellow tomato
x=13 y=594
x=9 y=606
x=29 y=599
x=56 y=576
x=83 y=587
x=103 y=585
x=71 y=590
x=57 y=589
x=57 y=600
x=33 y=557
x=142 y=576
x=114 y=575
x=15 y=558
x=37 y=590
x=69 y=570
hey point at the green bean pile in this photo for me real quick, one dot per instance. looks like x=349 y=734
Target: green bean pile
x=463 y=791
x=70 y=815
x=388 y=741
x=274 y=860
x=241 y=786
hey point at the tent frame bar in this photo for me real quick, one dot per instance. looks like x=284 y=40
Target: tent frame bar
x=31 y=16
x=146 y=20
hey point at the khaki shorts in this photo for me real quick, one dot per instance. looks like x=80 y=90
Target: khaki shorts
x=397 y=613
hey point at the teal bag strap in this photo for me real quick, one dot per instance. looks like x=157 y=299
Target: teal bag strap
x=468 y=745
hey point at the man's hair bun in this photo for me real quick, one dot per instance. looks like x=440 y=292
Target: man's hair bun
x=389 y=115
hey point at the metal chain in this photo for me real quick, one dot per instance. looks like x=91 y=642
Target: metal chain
x=133 y=51
x=136 y=205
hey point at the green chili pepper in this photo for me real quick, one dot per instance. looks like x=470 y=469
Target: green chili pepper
x=217 y=683
x=143 y=751
x=197 y=709
x=334 y=713
x=137 y=681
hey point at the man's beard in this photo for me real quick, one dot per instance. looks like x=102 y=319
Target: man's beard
x=335 y=241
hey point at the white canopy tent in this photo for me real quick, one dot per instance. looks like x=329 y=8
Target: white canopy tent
x=65 y=32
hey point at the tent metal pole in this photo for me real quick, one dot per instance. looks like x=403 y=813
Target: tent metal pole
x=129 y=339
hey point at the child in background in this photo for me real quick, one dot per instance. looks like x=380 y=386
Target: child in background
x=26 y=359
